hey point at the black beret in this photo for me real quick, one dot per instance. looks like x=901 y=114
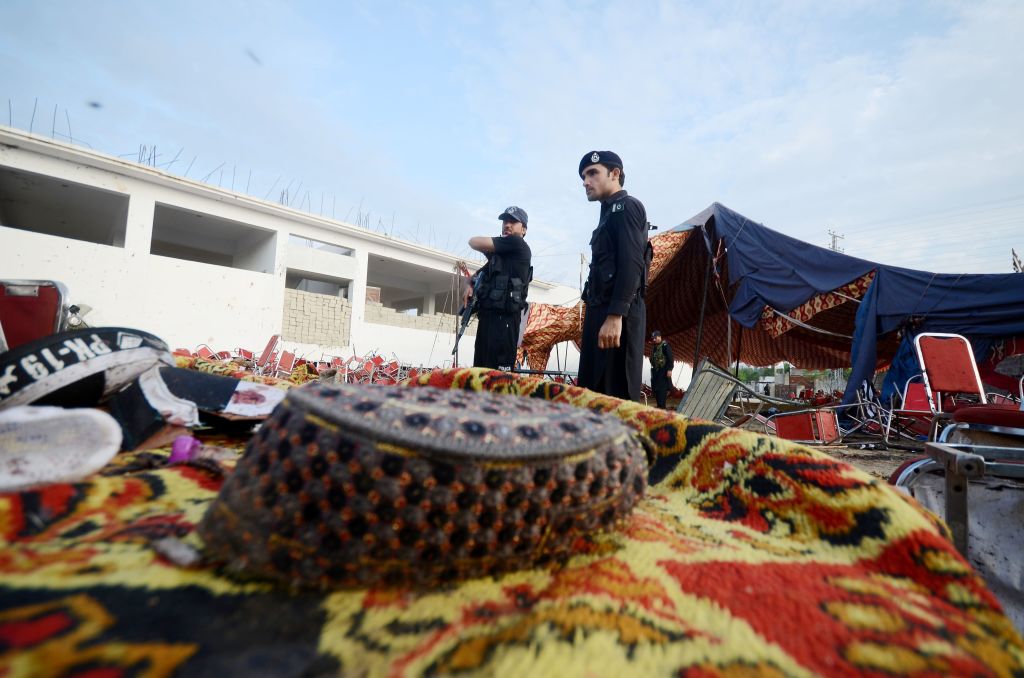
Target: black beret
x=607 y=158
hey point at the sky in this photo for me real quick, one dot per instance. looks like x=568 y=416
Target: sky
x=898 y=126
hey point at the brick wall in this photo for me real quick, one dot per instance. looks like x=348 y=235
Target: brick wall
x=379 y=314
x=316 y=319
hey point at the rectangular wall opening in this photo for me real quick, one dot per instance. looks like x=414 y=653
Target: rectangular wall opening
x=53 y=206
x=316 y=283
x=195 y=236
x=410 y=288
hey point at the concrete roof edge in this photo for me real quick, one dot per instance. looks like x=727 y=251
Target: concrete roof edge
x=15 y=138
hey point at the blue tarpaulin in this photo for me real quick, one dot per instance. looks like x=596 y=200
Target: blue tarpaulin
x=768 y=268
x=981 y=307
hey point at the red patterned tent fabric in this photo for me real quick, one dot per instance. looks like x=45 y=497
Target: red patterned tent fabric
x=674 y=297
x=676 y=292
x=547 y=325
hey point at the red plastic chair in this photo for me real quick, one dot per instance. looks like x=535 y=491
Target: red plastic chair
x=950 y=372
x=30 y=310
x=915 y=397
x=955 y=392
x=913 y=418
x=285 y=365
x=267 y=359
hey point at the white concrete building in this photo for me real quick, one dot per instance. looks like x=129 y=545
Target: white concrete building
x=196 y=264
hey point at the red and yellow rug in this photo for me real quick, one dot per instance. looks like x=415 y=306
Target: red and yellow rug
x=749 y=555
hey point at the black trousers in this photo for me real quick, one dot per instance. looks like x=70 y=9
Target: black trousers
x=618 y=371
x=497 y=335
x=660 y=388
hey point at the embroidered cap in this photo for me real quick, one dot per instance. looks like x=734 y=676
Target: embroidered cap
x=603 y=157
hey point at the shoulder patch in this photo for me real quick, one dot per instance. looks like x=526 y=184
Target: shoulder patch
x=618 y=207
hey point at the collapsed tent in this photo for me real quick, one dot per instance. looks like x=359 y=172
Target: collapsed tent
x=732 y=289
x=546 y=326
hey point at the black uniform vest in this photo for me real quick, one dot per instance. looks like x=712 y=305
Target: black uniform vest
x=501 y=292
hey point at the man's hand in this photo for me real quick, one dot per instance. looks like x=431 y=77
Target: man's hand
x=467 y=295
x=610 y=332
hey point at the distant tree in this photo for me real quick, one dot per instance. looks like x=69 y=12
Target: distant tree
x=750 y=374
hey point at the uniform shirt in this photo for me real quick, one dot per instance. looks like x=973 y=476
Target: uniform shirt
x=618 y=246
x=516 y=255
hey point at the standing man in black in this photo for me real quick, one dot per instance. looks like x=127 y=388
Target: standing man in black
x=502 y=292
x=612 y=352
x=661 y=368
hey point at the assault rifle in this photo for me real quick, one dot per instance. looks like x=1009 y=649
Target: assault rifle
x=467 y=311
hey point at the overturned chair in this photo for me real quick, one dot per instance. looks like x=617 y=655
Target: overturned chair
x=715 y=395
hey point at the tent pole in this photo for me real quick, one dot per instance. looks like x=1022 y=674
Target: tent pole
x=739 y=348
x=728 y=340
x=703 y=306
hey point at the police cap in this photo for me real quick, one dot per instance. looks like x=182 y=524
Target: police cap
x=607 y=158
x=514 y=214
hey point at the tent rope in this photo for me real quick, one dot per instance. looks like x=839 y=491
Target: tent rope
x=804 y=325
x=943 y=297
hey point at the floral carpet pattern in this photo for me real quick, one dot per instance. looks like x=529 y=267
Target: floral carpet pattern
x=749 y=555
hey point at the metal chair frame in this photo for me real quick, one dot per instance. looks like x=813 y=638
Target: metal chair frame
x=961 y=464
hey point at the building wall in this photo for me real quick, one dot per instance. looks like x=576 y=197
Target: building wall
x=426 y=347
x=316 y=319
x=183 y=302
x=188 y=303
x=379 y=314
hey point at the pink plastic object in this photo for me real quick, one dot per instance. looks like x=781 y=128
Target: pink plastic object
x=183 y=449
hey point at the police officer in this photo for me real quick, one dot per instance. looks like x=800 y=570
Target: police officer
x=661 y=368
x=612 y=351
x=501 y=295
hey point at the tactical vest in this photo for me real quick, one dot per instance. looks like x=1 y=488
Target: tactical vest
x=658 y=356
x=501 y=292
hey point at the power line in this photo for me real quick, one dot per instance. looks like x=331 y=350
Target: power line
x=946 y=211
x=959 y=216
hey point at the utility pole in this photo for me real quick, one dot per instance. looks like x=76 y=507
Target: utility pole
x=835 y=241
x=836 y=375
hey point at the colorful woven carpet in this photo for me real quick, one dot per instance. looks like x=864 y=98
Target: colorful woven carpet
x=749 y=555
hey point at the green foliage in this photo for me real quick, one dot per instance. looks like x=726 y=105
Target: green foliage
x=753 y=374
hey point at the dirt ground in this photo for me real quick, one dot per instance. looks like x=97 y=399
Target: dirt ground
x=868 y=455
x=878 y=462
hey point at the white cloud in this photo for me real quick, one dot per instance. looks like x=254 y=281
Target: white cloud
x=860 y=117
